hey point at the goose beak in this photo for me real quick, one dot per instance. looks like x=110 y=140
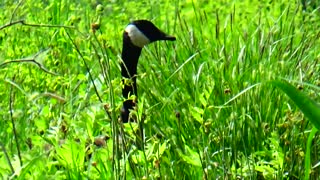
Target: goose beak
x=169 y=38
x=166 y=37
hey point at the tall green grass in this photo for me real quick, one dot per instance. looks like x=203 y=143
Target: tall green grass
x=205 y=106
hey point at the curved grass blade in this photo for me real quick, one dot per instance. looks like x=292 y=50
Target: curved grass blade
x=309 y=107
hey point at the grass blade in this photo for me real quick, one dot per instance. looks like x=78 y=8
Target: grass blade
x=309 y=108
x=307 y=160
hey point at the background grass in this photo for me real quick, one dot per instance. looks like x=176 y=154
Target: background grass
x=206 y=108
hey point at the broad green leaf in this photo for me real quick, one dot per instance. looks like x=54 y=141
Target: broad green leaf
x=197 y=114
x=190 y=157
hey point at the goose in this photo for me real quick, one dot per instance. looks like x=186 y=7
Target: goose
x=136 y=35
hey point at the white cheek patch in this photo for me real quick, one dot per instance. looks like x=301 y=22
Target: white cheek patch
x=136 y=36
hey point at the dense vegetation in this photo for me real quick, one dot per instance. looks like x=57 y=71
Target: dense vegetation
x=206 y=104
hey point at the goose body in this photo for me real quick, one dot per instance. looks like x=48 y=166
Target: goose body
x=136 y=35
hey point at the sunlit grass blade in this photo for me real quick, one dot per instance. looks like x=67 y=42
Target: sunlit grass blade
x=309 y=108
x=240 y=93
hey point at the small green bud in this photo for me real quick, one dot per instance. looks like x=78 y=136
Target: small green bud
x=99 y=8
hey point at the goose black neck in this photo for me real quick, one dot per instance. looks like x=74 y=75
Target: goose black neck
x=130 y=56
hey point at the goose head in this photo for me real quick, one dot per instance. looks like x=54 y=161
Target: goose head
x=136 y=35
x=143 y=32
